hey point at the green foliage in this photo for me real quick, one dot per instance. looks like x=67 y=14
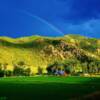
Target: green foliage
x=1 y=73
x=20 y=69
x=89 y=46
x=40 y=71
x=8 y=73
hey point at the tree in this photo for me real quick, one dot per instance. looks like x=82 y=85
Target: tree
x=0 y=66
x=18 y=71
x=97 y=65
x=8 y=73
x=85 y=67
x=21 y=63
x=27 y=72
x=67 y=69
x=54 y=68
x=49 y=69
x=21 y=69
x=93 y=67
x=1 y=73
x=40 y=70
x=70 y=65
x=3 y=70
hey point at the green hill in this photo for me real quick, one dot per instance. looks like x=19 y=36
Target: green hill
x=38 y=51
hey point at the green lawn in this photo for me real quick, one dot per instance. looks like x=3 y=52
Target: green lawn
x=47 y=87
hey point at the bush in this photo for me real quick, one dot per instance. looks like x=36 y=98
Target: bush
x=21 y=71
x=18 y=71
x=27 y=72
x=8 y=73
x=40 y=70
x=2 y=72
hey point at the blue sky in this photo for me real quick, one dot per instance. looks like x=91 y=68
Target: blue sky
x=49 y=17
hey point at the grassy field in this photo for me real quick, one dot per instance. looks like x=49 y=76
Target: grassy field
x=47 y=88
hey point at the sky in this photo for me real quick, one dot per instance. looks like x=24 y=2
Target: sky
x=49 y=17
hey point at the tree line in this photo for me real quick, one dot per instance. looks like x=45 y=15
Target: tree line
x=67 y=67
x=19 y=69
x=74 y=67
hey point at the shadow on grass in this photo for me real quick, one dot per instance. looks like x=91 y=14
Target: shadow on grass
x=48 y=91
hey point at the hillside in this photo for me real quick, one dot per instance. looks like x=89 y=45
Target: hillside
x=38 y=51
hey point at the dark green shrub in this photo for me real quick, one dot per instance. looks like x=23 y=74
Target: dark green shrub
x=2 y=73
x=8 y=73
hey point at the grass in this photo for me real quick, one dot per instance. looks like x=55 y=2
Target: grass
x=47 y=87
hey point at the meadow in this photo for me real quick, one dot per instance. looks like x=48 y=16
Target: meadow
x=48 y=87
